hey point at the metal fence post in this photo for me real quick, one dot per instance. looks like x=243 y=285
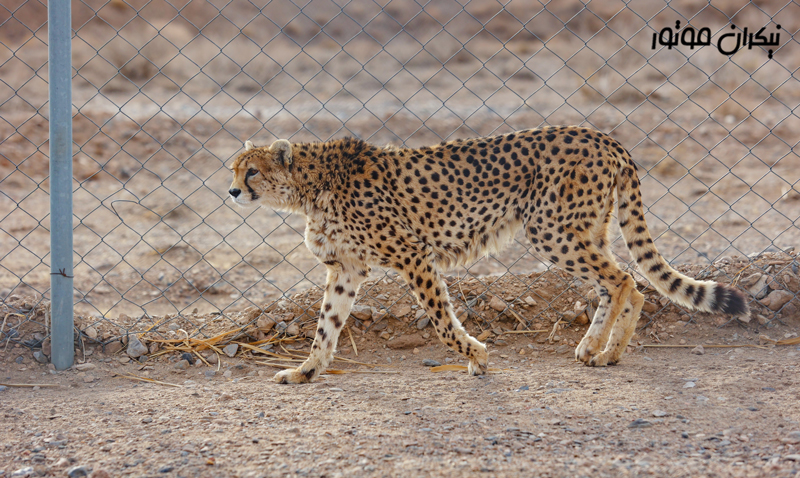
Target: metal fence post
x=60 y=78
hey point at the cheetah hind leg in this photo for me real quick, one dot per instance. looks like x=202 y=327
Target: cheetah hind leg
x=431 y=293
x=623 y=330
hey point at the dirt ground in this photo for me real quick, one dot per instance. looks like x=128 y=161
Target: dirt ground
x=671 y=408
x=661 y=412
x=164 y=100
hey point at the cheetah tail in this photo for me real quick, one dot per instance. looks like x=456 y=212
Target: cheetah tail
x=707 y=296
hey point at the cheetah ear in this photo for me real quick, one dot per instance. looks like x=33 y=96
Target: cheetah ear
x=248 y=145
x=283 y=150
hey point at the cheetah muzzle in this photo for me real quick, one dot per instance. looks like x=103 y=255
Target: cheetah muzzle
x=423 y=211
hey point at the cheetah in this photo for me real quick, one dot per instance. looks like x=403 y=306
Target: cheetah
x=423 y=211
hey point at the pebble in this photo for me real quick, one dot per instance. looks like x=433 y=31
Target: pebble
x=792 y=438
x=100 y=474
x=659 y=413
x=78 y=471
x=20 y=359
x=27 y=471
x=135 y=347
x=699 y=350
x=210 y=373
x=334 y=389
x=3 y=388
x=759 y=287
x=640 y=423
x=777 y=299
x=431 y=363
x=188 y=357
x=91 y=332
x=124 y=359
x=420 y=313
x=231 y=349
x=227 y=374
x=40 y=357
x=530 y=301
x=689 y=385
x=649 y=307
x=422 y=323
x=497 y=304
x=292 y=330
x=361 y=312
x=182 y=365
x=85 y=366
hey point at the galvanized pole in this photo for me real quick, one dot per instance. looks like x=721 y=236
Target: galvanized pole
x=59 y=29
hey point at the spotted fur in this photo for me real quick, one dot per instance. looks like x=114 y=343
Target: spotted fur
x=421 y=211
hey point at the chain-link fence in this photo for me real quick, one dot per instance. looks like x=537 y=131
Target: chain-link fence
x=165 y=93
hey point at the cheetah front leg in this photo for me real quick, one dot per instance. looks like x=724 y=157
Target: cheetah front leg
x=431 y=292
x=340 y=293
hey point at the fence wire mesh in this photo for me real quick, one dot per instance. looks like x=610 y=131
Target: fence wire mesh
x=166 y=92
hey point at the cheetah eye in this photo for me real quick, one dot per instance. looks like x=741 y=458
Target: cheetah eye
x=251 y=172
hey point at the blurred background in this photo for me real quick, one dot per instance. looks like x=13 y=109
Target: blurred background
x=166 y=92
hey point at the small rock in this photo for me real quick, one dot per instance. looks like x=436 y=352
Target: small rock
x=689 y=385
x=124 y=359
x=188 y=357
x=402 y=310
x=78 y=471
x=581 y=319
x=530 y=301
x=231 y=349
x=497 y=304
x=210 y=373
x=419 y=313
x=135 y=347
x=20 y=360
x=227 y=374
x=212 y=358
x=406 y=342
x=758 y=285
x=431 y=363
x=113 y=347
x=361 y=312
x=335 y=389
x=386 y=335
x=61 y=463
x=649 y=307
x=793 y=457
x=40 y=357
x=83 y=367
x=3 y=388
x=154 y=347
x=422 y=323
x=225 y=397
x=563 y=349
x=293 y=330
x=265 y=323
x=659 y=413
x=182 y=365
x=699 y=350
x=91 y=332
x=27 y=471
x=640 y=423
x=777 y=299
x=100 y=474
x=792 y=438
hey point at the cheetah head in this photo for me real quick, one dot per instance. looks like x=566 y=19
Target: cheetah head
x=260 y=176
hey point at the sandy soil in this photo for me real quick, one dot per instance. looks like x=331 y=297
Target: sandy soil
x=159 y=251
x=544 y=415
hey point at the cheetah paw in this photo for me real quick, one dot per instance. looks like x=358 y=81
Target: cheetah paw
x=294 y=375
x=586 y=351
x=479 y=362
